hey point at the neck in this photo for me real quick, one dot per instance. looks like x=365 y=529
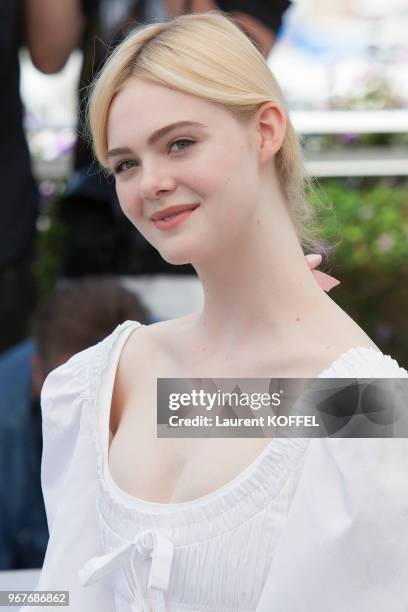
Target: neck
x=259 y=289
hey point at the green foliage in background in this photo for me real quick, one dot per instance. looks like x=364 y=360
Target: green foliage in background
x=384 y=143
x=366 y=223
x=369 y=226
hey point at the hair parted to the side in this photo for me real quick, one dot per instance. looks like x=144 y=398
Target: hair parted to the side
x=206 y=55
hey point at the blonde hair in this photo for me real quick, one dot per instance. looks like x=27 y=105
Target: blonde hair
x=208 y=56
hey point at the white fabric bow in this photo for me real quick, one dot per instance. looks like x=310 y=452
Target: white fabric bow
x=147 y=544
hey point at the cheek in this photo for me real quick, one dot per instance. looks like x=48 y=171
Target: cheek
x=129 y=202
x=234 y=179
x=232 y=166
x=214 y=174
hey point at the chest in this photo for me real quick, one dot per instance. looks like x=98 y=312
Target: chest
x=171 y=470
x=175 y=470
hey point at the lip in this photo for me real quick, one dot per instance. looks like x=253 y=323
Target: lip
x=173 y=210
x=166 y=224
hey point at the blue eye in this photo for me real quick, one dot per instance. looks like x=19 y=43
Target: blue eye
x=182 y=140
x=128 y=164
x=124 y=166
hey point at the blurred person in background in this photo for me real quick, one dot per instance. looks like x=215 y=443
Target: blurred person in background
x=99 y=239
x=75 y=316
x=19 y=197
x=261 y=20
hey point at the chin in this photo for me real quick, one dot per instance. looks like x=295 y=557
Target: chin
x=177 y=259
x=180 y=251
x=187 y=249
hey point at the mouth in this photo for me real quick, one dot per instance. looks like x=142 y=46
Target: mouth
x=172 y=211
x=173 y=218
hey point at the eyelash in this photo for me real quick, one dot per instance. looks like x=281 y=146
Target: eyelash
x=119 y=169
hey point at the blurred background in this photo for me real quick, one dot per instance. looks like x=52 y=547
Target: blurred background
x=66 y=248
x=343 y=66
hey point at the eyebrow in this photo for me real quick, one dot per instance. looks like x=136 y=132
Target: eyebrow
x=156 y=136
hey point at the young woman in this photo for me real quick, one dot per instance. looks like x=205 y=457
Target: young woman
x=191 y=122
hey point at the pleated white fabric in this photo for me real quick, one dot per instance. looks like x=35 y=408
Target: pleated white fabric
x=309 y=525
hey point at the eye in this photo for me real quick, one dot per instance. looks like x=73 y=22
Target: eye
x=185 y=142
x=125 y=165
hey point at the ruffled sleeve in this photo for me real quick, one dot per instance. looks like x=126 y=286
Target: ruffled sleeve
x=345 y=544
x=69 y=483
x=364 y=362
x=63 y=394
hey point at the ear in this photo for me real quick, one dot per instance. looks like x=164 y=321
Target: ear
x=270 y=124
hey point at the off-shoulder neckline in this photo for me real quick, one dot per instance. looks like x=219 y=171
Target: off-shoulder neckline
x=119 y=338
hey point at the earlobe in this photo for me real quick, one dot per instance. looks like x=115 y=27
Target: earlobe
x=271 y=127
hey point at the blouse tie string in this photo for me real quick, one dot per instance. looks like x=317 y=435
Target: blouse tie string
x=147 y=544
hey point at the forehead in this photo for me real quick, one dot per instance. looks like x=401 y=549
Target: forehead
x=141 y=107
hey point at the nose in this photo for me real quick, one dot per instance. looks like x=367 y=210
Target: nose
x=155 y=182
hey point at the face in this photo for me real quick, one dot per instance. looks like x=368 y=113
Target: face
x=170 y=149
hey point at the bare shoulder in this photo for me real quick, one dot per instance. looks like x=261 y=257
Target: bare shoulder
x=335 y=333
x=153 y=341
x=145 y=356
x=348 y=332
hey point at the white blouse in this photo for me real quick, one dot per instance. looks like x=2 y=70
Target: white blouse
x=310 y=525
